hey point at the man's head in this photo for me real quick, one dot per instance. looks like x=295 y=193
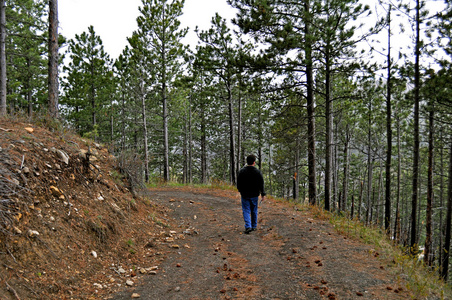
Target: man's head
x=250 y=159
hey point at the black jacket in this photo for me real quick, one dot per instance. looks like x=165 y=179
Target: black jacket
x=250 y=182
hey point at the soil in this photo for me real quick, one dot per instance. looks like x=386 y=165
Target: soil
x=290 y=256
x=76 y=230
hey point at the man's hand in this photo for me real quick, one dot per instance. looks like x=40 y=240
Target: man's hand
x=263 y=198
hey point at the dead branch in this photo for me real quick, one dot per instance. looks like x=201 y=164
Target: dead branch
x=13 y=291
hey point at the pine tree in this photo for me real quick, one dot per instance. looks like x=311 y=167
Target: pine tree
x=160 y=34
x=88 y=86
x=219 y=57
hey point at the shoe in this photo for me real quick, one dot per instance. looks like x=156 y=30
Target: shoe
x=248 y=230
x=253 y=229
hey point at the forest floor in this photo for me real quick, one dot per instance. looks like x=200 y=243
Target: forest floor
x=71 y=229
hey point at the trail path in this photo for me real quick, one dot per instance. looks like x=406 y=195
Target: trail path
x=291 y=256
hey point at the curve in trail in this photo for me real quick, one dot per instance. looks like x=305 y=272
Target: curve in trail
x=290 y=256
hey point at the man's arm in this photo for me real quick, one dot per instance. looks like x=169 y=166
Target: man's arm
x=261 y=186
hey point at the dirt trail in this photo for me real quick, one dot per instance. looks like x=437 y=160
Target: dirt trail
x=291 y=256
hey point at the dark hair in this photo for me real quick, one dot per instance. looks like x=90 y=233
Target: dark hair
x=250 y=159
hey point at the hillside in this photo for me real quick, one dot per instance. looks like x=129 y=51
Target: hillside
x=70 y=227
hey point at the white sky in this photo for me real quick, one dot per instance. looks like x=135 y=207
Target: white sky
x=114 y=21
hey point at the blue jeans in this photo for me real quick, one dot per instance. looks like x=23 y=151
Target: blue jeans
x=249 y=209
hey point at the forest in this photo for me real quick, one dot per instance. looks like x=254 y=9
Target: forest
x=337 y=115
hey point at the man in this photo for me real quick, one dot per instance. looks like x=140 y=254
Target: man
x=250 y=184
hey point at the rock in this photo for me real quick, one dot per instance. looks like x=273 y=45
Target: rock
x=135 y=295
x=63 y=156
x=55 y=191
x=18 y=217
x=32 y=233
x=98 y=285
x=94 y=254
x=115 y=207
x=17 y=230
x=177 y=289
x=29 y=129
x=129 y=283
x=121 y=271
x=26 y=170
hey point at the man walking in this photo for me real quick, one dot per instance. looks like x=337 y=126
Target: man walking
x=250 y=184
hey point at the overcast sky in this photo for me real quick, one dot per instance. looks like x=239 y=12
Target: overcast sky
x=114 y=21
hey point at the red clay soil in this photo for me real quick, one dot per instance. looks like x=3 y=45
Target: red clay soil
x=291 y=256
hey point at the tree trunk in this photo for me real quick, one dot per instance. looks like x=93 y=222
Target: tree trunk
x=343 y=201
x=446 y=249
x=2 y=59
x=329 y=138
x=369 y=164
x=295 y=179
x=231 y=137
x=414 y=196
x=203 y=148
x=388 y=135
x=53 y=59
x=441 y=203
x=145 y=134
x=360 y=200
x=239 y=132
x=310 y=108
x=428 y=224
x=166 y=173
x=397 y=227
x=190 y=142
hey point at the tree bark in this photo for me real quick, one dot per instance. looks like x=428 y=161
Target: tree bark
x=428 y=224
x=414 y=196
x=310 y=108
x=441 y=203
x=329 y=138
x=343 y=201
x=2 y=59
x=231 y=137
x=397 y=227
x=446 y=249
x=388 y=135
x=369 y=165
x=145 y=134
x=53 y=59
